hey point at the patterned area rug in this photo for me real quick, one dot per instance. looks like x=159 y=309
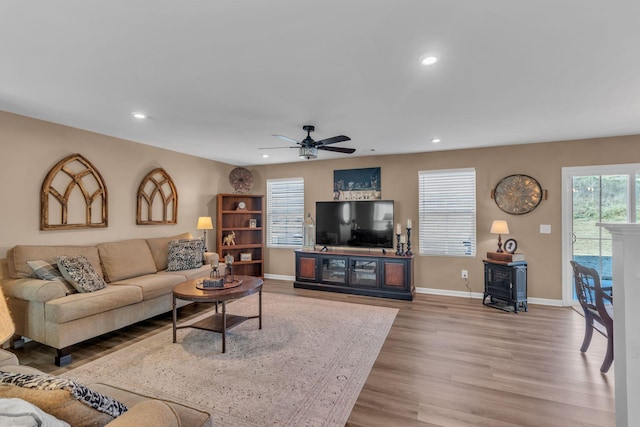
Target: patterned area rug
x=306 y=366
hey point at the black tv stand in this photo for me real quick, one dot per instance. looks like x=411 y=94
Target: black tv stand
x=359 y=273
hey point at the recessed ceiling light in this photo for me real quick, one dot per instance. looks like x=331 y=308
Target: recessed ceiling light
x=435 y=140
x=265 y=156
x=428 y=60
x=139 y=115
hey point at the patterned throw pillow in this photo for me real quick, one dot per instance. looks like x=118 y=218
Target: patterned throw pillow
x=80 y=273
x=185 y=254
x=48 y=270
x=96 y=400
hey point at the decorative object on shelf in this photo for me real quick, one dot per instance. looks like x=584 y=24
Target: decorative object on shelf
x=518 y=194
x=510 y=246
x=241 y=180
x=309 y=233
x=253 y=223
x=242 y=206
x=245 y=256
x=229 y=239
x=403 y=240
x=204 y=223
x=409 y=253
x=228 y=277
x=398 y=232
x=157 y=199
x=499 y=227
x=357 y=184
x=72 y=175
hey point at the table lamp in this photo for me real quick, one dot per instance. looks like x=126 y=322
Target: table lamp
x=204 y=223
x=499 y=227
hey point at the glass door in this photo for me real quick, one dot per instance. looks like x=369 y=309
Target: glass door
x=597 y=194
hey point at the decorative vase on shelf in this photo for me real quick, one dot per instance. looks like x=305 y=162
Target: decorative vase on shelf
x=309 y=233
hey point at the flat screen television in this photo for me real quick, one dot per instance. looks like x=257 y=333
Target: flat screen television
x=356 y=223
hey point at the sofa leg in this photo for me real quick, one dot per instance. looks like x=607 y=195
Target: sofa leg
x=17 y=342
x=64 y=357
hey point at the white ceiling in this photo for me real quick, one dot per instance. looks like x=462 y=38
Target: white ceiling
x=219 y=77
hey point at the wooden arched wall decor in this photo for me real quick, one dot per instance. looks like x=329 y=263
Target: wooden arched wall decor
x=157 y=199
x=73 y=195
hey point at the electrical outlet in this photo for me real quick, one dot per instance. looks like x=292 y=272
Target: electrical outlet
x=464 y=274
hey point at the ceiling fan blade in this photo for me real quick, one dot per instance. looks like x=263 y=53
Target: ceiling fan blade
x=286 y=138
x=333 y=140
x=273 y=148
x=338 y=149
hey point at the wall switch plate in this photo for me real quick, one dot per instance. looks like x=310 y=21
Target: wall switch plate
x=464 y=274
x=545 y=228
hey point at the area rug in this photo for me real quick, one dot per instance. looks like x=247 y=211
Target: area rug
x=306 y=366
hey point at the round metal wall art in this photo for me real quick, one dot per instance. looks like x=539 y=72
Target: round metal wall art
x=518 y=194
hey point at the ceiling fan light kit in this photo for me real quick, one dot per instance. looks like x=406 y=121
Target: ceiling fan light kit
x=308 y=148
x=308 y=153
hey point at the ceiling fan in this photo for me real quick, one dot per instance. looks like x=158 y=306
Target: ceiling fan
x=308 y=148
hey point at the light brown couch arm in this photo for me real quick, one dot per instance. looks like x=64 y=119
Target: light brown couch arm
x=152 y=413
x=32 y=289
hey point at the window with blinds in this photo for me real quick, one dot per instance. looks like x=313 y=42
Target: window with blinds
x=447 y=212
x=285 y=212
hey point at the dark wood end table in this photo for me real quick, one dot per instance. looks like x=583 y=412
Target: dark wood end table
x=217 y=322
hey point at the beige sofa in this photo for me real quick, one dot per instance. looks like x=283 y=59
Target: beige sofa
x=142 y=411
x=138 y=287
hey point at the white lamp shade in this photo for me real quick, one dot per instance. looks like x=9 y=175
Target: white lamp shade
x=204 y=223
x=499 y=226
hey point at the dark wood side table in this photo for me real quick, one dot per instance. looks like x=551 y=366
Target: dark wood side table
x=217 y=322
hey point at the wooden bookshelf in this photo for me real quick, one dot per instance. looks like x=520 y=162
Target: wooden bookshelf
x=249 y=240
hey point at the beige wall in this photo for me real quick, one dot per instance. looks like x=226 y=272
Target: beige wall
x=29 y=148
x=399 y=178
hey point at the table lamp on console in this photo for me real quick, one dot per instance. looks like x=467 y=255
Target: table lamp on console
x=499 y=227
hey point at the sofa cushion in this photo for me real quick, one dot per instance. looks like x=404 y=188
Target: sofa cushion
x=79 y=272
x=188 y=416
x=48 y=270
x=127 y=258
x=18 y=256
x=159 y=247
x=81 y=305
x=152 y=285
x=185 y=254
x=193 y=273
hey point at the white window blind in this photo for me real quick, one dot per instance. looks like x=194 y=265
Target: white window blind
x=447 y=212
x=285 y=212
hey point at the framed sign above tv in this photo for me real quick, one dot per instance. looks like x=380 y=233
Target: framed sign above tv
x=356 y=184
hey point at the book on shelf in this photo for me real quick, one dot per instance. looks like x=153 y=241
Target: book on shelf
x=506 y=257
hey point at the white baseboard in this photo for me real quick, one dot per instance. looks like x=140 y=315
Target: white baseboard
x=478 y=295
x=280 y=277
x=444 y=292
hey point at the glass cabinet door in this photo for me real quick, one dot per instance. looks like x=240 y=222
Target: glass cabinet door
x=334 y=269
x=363 y=272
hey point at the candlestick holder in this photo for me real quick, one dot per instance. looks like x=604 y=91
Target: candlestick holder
x=402 y=252
x=409 y=253
x=398 y=245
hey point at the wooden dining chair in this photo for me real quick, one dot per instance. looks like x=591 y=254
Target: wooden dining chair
x=592 y=297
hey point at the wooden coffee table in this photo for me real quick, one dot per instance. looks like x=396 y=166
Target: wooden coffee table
x=217 y=322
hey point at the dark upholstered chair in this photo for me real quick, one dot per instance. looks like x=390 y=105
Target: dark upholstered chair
x=593 y=300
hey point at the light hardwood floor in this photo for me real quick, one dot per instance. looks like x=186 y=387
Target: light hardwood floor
x=447 y=361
